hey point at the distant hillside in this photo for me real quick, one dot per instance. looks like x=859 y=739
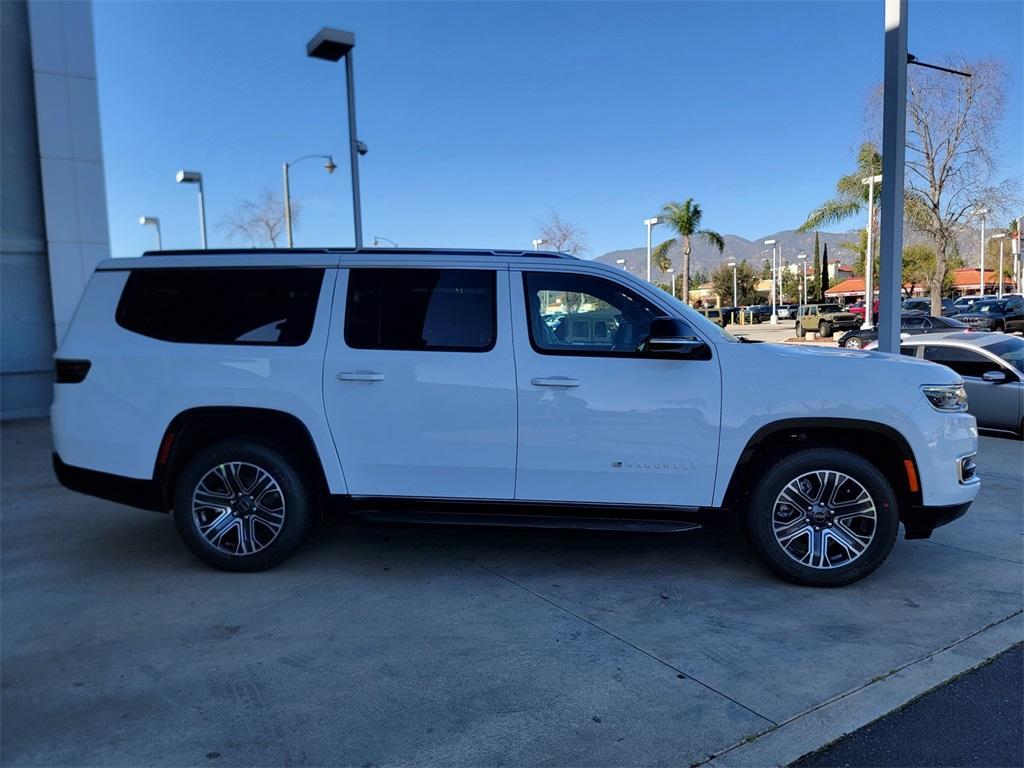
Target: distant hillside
x=707 y=258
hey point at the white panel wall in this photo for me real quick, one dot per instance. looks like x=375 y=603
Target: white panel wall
x=71 y=156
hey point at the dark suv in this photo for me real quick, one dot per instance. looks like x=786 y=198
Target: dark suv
x=995 y=315
x=911 y=323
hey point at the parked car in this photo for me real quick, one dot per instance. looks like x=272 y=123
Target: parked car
x=924 y=304
x=244 y=391
x=965 y=303
x=995 y=315
x=825 y=319
x=730 y=315
x=992 y=365
x=714 y=315
x=911 y=323
x=758 y=313
x=857 y=308
x=787 y=311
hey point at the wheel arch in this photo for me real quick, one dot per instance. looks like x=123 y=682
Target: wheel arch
x=197 y=428
x=880 y=444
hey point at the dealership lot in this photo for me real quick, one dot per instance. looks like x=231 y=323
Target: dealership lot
x=400 y=645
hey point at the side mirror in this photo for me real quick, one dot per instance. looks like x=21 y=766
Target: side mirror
x=994 y=377
x=673 y=336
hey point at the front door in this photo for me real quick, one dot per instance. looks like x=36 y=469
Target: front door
x=599 y=420
x=419 y=382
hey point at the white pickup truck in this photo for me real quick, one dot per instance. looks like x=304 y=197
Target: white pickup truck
x=247 y=391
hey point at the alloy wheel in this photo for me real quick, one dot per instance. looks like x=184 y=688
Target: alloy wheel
x=238 y=508
x=824 y=519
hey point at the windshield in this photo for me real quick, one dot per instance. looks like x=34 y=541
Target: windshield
x=1011 y=350
x=990 y=306
x=830 y=308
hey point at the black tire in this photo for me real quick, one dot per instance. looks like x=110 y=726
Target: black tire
x=272 y=541
x=998 y=327
x=760 y=518
x=800 y=332
x=825 y=329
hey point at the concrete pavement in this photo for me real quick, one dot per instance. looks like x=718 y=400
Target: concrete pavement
x=398 y=646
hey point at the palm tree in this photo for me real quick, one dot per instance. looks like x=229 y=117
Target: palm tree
x=851 y=193
x=684 y=218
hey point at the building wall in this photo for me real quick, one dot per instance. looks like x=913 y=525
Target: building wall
x=54 y=215
x=26 y=313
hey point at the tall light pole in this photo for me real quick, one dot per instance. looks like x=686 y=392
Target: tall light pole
x=621 y=263
x=329 y=165
x=803 y=258
x=982 y=212
x=672 y=272
x=869 y=267
x=333 y=45
x=195 y=177
x=735 y=298
x=999 y=275
x=775 y=314
x=650 y=224
x=1015 y=251
x=153 y=221
x=538 y=243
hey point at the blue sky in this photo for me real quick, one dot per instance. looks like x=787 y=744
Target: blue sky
x=483 y=117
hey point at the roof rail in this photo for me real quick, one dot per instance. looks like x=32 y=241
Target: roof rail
x=402 y=251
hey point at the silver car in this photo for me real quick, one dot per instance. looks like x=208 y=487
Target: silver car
x=992 y=365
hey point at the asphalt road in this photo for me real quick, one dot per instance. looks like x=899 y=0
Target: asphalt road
x=974 y=720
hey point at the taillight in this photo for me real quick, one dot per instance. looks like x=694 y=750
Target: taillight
x=72 y=371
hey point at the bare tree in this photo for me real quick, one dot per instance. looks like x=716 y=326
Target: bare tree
x=561 y=235
x=261 y=222
x=951 y=155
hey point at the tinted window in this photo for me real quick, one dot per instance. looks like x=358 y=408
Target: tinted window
x=914 y=323
x=966 y=362
x=598 y=316
x=222 y=306
x=449 y=310
x=1011 y=350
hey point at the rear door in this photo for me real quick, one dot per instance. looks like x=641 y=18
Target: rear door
x=600 y=421
x=419 y=380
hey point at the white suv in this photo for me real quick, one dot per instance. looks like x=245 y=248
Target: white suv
x=244 y=391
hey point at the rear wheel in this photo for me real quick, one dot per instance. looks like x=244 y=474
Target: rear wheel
x=823 y=517
x=825 y=329
x=242 y=506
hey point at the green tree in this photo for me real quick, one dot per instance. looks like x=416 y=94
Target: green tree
x=815 y=280
x=918 y=265
x=766 y=270
x=851 y=195
x=823 y=281
x=792 y=284
x=685 y=220
x=746 y=284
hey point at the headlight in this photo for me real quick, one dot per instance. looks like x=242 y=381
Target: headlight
x=951 y=397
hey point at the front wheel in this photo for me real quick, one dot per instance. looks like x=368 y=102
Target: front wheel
x=800 y=330
x=854 y=342
x=823 y=517
x=998 y=327
x=242 y=506
x=825 y=330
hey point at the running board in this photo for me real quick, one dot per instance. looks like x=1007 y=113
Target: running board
x=504 y=520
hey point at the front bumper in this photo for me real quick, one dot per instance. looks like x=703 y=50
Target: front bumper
x=919 y=521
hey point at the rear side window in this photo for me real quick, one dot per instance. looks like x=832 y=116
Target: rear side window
x=966 y=362
x=274 y=307
x=437 y=310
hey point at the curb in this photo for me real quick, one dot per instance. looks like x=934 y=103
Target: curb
x=829 y=722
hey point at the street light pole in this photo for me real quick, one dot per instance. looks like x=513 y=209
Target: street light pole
x=332 y=45
x=869 y=271
x=621 y=263
x=999 y=276
x=672 y=271
x=735 y=300
x=285 y=167
x=195 y=177
x=538 y=243
x=650 y=224
x=775 y=314
x=982 y=212
x=153 y=221
x=803 y=257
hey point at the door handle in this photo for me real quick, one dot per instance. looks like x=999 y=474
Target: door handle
x=554 y=381
x=360 y=376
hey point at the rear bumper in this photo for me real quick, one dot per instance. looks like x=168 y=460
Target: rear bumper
x=919 y=521
x=145 y=494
